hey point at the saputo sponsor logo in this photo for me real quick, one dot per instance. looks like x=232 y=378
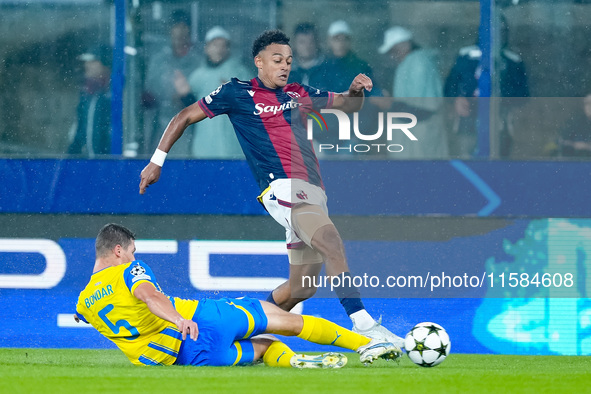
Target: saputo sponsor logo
x=274 y=109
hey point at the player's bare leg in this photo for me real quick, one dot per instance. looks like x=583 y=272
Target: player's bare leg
x=281 y=322
x=260 y=346
x=293 y=291
x=327 y=241
x=305 y=262
x=314 y=227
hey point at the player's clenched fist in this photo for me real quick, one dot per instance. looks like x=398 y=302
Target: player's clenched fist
x=361 y=82
x=150 y=174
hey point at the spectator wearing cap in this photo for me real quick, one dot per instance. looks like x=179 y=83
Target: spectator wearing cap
x=308 y=59
x=91 y=134
x=166 y=87
x=342 y=64
x=216 y=139
x=417 y=86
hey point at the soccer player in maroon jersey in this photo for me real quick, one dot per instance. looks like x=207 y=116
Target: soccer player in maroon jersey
x=268 y=116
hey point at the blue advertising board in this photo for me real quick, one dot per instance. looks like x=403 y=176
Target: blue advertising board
x=394 y=188
x=526 y=292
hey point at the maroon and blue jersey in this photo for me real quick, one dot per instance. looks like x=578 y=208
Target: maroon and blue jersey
x=271 y=126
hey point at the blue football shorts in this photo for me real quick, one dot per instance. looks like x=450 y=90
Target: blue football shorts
x=225 y=326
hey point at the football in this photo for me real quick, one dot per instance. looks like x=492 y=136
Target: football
x=427 y=344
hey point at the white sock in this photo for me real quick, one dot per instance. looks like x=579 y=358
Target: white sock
x=362 y=320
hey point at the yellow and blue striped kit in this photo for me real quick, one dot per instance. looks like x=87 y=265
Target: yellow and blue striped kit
x=225 y=325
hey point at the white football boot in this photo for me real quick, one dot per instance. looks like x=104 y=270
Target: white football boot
x=378 y=349
x=379 y=332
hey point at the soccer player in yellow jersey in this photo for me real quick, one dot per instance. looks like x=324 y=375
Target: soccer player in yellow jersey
x=124 y=303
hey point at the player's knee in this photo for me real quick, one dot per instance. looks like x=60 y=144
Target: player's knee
x=327 y=241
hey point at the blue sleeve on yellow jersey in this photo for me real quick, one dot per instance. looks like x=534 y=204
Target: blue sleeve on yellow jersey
x=139 y=271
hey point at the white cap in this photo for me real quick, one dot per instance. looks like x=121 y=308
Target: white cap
x=216 y=32
x=339 y=27
x=394 y=36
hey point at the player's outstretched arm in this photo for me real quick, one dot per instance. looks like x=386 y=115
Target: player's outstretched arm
x=175 y=129
x=161 y=306
x=352 y=100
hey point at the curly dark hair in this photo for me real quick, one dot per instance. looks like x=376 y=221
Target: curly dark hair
x=267 y=38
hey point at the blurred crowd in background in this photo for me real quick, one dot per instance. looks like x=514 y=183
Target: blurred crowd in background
x=56 y=88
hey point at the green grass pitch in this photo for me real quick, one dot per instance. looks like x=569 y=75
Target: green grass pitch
x=63 y=371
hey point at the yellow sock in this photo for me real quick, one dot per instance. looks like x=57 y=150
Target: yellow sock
x=325 y=332
x=278 y=355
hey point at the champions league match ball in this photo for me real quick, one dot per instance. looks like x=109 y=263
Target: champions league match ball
x=427 y=344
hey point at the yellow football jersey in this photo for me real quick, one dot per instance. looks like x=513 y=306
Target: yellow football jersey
x=108 y=304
